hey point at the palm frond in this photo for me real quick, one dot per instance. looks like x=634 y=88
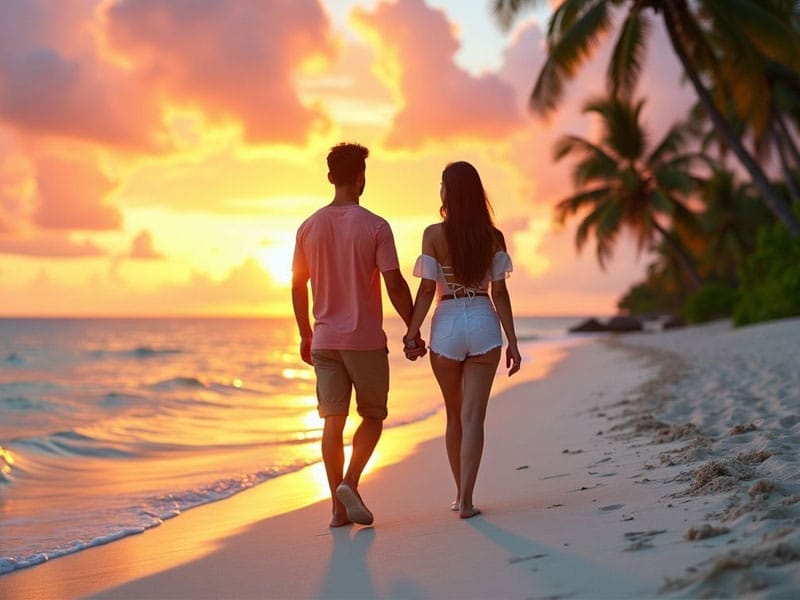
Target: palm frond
x=674 y=180
x=699 y=48
x=606 y=228
x=767 y=30
x=744 y=73
x=508 y=11
x=594 y=168
x=570 y=144
x=628 y=55
x=671 y=143
x=575 y=203
x=604 y=219
x=571 y=41
x=622 y=130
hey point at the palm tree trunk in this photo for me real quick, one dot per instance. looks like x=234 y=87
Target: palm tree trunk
x=771 y=197
x=787 y=137
x=791 y=184
x=683 y=257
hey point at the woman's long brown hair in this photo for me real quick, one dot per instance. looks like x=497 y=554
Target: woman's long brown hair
x=468 y=227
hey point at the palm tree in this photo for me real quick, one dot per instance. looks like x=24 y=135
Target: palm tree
x=620 y=184
x=697 y=32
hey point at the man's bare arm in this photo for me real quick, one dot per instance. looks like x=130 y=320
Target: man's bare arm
x=300 y=306
x=399 y=293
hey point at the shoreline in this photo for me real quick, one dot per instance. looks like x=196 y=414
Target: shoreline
x=194 y=532
x=589 y=487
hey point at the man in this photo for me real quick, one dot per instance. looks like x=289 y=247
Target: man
x=341 y=249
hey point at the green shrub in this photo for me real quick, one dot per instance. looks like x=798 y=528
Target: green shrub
x=770 y=278
x=714 y=300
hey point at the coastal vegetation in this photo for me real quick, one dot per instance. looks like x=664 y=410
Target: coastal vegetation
x=725 y=237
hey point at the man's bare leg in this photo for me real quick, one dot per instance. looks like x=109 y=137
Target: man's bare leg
x=333 y=457
x=364 y=441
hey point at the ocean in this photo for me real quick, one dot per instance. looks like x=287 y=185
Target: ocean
x=108 y=427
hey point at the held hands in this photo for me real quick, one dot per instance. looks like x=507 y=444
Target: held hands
x=513 y=359
x=414 y=348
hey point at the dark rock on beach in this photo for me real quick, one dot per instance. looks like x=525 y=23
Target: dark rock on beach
x=622 y=324
x=588 y=326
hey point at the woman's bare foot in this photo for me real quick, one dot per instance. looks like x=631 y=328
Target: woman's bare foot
x=454 y=505
x=340 y=520
x=468 y=513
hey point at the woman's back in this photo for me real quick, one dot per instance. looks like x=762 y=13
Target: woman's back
x=439 y=249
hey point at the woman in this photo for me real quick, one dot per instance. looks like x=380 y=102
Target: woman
x=463 y=258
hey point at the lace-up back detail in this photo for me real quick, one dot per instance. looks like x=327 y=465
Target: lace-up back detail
x=427 y=267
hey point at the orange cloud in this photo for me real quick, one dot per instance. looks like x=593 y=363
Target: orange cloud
x=246 y=289
x=49 y=246
x=71 y=195
x=232 y=60
x=142 y=247
x=416 y=47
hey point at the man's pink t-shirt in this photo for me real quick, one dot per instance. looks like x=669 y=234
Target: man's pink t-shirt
x=344 y=249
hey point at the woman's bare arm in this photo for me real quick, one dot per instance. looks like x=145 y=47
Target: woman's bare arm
x=502 y=304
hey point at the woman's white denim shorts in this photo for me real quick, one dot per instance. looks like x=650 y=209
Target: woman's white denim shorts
x=463 y=327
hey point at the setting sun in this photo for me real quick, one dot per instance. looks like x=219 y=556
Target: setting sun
x=276 y=258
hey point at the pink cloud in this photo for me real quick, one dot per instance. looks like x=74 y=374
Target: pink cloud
x=49 y=246
x=233 y=60
x=142 y=247
x=53 y=81
x=440 y=100
x=71 y=195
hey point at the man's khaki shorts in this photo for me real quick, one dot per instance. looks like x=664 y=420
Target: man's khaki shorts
x=339 y=371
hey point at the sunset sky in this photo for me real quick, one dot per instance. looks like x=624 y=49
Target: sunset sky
x=158 y=156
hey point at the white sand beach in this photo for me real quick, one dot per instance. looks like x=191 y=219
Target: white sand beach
x=651 y=464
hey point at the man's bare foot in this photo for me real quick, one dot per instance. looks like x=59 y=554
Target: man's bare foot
x=468 y=513
x=340 y=520
x=357 y=511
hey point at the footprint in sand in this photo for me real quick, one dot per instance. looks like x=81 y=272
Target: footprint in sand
x=518 y=559
x=611 y=507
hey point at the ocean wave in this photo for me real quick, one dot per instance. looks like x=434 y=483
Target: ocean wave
x=142 y=351
x=152 y=512
x=174 y=383
x=72 y=443
x=120 y=399
x=29 y=387
x=22 y=403
x=195 y=383
x=149 y=351
x=171 y=505
x=529 y=337
x=12 y=358
x=10 y=563
x=390 y=423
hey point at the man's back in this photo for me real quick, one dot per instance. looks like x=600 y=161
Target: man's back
x=344 y=248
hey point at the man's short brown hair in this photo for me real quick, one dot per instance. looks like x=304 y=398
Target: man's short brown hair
x=346 y=162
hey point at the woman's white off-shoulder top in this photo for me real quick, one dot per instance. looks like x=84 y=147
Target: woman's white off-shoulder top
x=427 y=267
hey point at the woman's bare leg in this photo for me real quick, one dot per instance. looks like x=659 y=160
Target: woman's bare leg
x=479 y=372
x=449 y=375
